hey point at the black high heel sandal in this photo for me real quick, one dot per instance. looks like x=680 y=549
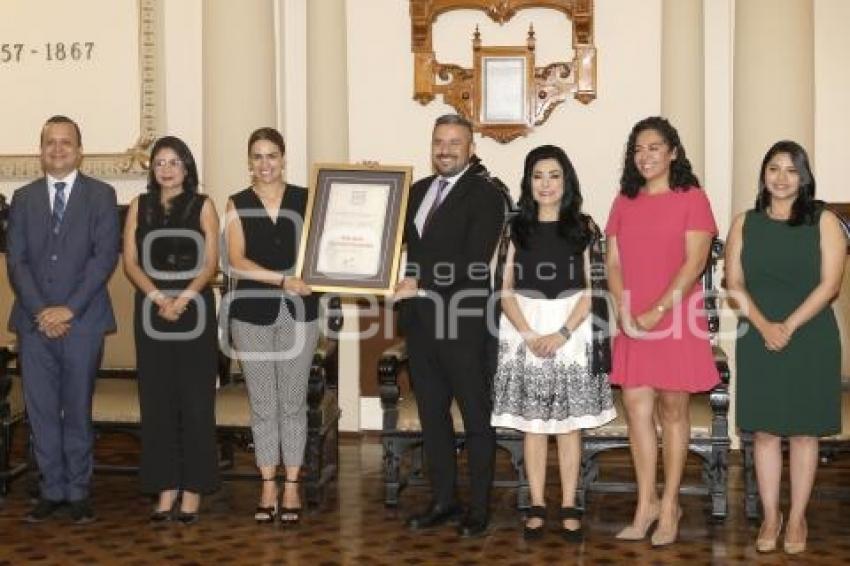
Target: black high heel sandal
x=266 y=514
x=571 y=535
x=289 y=515
x=534 y=533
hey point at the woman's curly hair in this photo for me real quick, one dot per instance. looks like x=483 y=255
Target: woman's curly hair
x=681 y=176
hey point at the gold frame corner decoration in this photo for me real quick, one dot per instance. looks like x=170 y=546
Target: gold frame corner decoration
x=463 y=88
x=350 y=222
x=131 y=162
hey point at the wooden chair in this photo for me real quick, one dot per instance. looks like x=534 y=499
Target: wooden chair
x=401 y=435
x=12 y=409
x=709 y=424
x=12 y=413
x=833 y=446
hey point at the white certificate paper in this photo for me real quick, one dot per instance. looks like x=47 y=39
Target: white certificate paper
x=504 y=93
x=355 y=217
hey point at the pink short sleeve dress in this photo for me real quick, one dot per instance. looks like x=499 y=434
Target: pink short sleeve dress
x=650 y=232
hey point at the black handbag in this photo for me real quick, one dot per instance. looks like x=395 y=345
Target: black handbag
x=491 y=340
x=600 y=306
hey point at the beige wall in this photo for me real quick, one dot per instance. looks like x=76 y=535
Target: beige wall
x=385 y=124
x=182 y=93
x=774 y=85
x=832 y=99
x=682 y=75
x=327 y=84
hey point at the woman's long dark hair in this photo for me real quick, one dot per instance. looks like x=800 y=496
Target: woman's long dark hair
x=682 y=177
x=805 y=206
x=572 y=224
x=190 y=181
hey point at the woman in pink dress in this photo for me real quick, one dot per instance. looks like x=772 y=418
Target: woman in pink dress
x=659 y=236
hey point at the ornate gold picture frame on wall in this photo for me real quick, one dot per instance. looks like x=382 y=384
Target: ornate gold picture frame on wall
x=504 y=95
x=55 y=60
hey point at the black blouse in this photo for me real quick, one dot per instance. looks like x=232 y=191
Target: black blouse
x=550 y=265
x=170 y=240
x=274 y=246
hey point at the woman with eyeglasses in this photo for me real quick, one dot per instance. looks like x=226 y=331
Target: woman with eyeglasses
x=171 y=255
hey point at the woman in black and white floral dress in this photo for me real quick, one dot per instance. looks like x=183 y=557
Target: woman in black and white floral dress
x=544 y=384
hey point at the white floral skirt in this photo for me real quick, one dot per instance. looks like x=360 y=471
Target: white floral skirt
x=548 y=395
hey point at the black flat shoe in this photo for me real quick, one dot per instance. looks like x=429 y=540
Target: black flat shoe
x=187 y=518
x=81 y=512
x=534 y=533
x=434 y=516
x=43 y=510
x=160 y=516
x=289 y=515
x=266 y=515
x=570 y=535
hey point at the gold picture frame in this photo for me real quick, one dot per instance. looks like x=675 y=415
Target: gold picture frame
x=353 y=228
x=131 y=162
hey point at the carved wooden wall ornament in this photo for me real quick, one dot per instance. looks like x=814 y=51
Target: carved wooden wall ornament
x=467 y=89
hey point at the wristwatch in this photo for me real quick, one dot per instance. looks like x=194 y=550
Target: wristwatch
x=565 y=332
x=660 y=309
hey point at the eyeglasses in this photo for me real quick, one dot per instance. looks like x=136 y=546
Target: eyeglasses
x=163 y=163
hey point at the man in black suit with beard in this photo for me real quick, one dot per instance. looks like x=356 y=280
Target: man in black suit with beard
x=452 y=227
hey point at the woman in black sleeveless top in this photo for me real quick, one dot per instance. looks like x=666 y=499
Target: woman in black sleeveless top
x=545 y=383
x=171 y=254
x=273 y=320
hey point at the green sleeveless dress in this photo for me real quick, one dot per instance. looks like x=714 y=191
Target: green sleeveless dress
x=796 y=391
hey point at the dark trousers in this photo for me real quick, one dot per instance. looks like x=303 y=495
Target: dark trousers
x=58 y=379
x=177 y=379
x=442 y=369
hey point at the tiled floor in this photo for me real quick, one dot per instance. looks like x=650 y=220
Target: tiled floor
x=353 y=527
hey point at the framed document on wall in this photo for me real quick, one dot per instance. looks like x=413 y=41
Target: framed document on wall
x=95 y=62
x=505 y=78
x=352 y=235
x=505 y=98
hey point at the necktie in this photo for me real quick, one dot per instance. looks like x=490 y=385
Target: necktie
x=441 y=186
x=58 y=206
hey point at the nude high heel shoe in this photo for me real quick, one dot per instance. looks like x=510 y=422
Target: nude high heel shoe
x=663 y=538
x=795 y=547
x=637 y=532
x=768 y=544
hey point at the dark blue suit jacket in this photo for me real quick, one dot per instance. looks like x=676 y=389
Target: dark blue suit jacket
x=71 y=269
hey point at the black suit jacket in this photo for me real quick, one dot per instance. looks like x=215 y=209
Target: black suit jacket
x=451 y=260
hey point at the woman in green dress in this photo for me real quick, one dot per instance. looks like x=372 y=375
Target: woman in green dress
x=784 y=262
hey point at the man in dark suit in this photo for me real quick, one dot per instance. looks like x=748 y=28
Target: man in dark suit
x=63 y=245
x=452 y=228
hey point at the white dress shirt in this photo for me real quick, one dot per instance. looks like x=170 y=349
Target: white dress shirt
x=69 y=180
x=431 y=195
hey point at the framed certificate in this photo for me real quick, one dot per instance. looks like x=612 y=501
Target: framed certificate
x=503 y=102
x=353 y=226
x=505 y=90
